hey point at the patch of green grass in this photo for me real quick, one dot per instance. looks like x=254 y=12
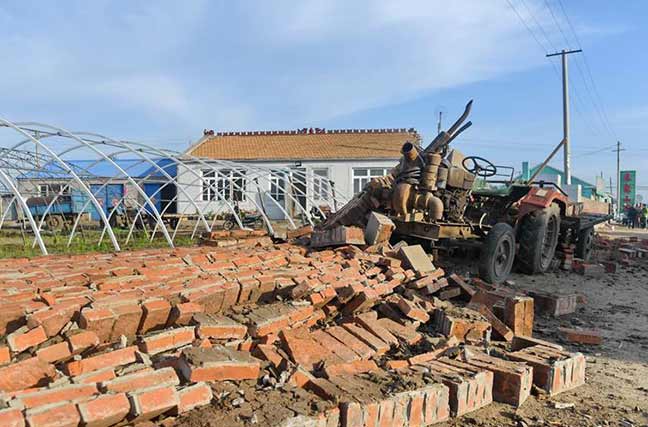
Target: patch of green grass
x=14 y=245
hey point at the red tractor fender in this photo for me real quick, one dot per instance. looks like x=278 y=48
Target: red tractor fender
x=540 y=198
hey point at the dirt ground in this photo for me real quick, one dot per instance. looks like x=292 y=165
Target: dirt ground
x=616 y=392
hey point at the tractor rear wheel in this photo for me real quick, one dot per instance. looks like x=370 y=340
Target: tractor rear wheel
x=538 y=239
x=497 y=254
x=585 y=243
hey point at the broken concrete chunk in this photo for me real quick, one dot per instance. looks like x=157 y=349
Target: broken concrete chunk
x=379 y=229
x=415 y=258
x=217 y=364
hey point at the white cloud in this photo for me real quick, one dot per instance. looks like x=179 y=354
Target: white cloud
x=257 y=64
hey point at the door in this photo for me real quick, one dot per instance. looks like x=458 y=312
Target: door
x=108 y=197
x=154 y=192
x=298 y=188
x=274 y=200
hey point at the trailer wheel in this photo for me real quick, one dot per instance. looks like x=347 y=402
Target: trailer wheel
x=538 y=239
x=585 y=243
x=228 y=224
x=54 y=222
x=497 y=254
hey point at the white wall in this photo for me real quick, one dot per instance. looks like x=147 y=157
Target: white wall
x=340 y=172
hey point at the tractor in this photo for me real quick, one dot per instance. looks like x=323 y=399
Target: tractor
x=450 y=200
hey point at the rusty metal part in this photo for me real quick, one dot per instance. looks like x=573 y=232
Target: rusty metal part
x=546 y=162
x=428 y=231
x=401 y=198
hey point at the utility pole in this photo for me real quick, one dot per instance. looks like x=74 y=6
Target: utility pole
x=565 y=86
x=618 y=177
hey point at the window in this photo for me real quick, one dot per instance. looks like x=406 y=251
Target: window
x=278 y=186
x=227 y=184
x=362 y=176
x=209 y=185
x=321 y=185
x=46 y=190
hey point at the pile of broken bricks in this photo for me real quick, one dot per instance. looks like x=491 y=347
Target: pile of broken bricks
x=381 y=338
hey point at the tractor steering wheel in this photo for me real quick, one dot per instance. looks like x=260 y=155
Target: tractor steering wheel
x=479 y=166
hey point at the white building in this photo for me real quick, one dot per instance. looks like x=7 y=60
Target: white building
x=318 y=163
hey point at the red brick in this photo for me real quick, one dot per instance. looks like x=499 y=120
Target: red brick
x=55 y=352
x=193 y=396
x=99 y=321
x=376 y=344
x=470 y=387
x=155 y=315
x=5 y=356
x=216 y=364
x=469 y=326
x=58 y=394
x=22 y=341
x=127 y=320
x=141 y=380
x=181 y=314
x=95 y=376
x=405 y=333
x=83 y=340
x=54 y=318
x=269 y=353
x=167 y=340
x=361 y=302
x=461 y=283
x=55 y=415
x=434 y=354
x=149 y=403
x=105 y=410
x=397 y=364
x=512 y=381
x=498 y=326
x=369 y=321
x=334 y=346
x=112 y=358
x=349 y=340
x=11 y=418
x=437 y=405
x=25 y=374
x=411 y=310
x=582 y=336
x=518 y=315
x=554 y=304
x=350 y=368
x=219 y=327
x=304 y=350
x=554 y=371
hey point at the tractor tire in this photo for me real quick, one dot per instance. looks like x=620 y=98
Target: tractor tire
x=497 y=254
x=538 y=238
x=584 y=244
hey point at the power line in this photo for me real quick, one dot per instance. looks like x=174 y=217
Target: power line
x=597 y=107
x=577 y=100
x=586 y=62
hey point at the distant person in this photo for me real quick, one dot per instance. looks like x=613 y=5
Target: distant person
x=632 y=216
x=644 y=216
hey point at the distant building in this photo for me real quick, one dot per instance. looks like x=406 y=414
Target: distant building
x=317 y=161
x=108 y=184
x=579 y=190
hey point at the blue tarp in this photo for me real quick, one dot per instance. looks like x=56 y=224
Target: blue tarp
x=136 y=168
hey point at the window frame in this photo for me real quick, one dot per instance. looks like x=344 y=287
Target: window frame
x=359 y=181
x=321 y=184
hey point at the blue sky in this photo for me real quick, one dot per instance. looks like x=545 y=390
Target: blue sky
x=160 y=72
